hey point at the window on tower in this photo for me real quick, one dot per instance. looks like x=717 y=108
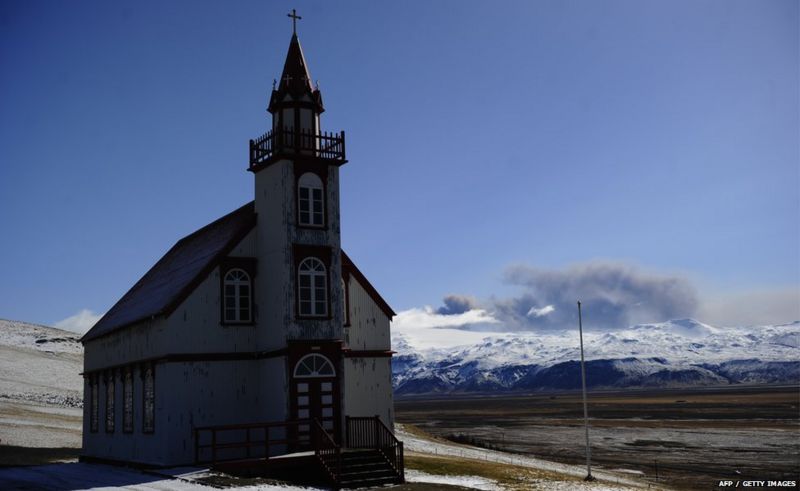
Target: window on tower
x=237 y=297
x=312 y=283
x=310 y=201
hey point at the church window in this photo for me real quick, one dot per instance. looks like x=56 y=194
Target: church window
x=94 y=399
x=314 y=365
x=149 y=399
x=127 y=400
x=310 y=201
x=237 y=296
x=312 y=288
x=110 y=385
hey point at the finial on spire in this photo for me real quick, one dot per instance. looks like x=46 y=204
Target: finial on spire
x=295 y=18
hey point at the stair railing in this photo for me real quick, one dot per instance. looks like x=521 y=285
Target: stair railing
x=372 y=432
x=328 y=453
x=224 y=443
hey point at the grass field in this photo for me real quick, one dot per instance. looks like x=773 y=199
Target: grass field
x=688 y=439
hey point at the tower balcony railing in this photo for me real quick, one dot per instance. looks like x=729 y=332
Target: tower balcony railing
x=291 y=142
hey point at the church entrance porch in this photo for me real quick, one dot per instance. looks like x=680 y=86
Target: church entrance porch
x=316 y=394
x=371 y=455
x=314 y=387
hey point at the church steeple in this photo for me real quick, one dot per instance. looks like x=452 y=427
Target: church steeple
x=296 y=106
x=294 y=89
x=295 y=83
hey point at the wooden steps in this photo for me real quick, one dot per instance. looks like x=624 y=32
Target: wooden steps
x=364 y=468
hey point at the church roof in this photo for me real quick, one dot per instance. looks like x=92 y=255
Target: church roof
x=176 y=275
x=295 y=76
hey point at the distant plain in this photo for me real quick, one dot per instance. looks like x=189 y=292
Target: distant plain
x=682 y=438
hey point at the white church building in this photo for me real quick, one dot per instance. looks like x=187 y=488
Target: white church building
x=256 y=335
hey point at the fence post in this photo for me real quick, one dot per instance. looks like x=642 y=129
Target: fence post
x=347 y=431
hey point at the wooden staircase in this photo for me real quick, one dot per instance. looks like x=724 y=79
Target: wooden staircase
x=370 y=455
x=366 y=468
x=373 y=456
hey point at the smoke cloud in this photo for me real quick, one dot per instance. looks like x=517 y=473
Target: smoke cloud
x=613 y=295
x=457 y=304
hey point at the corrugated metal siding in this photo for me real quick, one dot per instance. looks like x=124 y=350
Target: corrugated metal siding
x=369 y=326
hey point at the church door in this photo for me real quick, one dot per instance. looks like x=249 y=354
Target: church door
x=315 y=395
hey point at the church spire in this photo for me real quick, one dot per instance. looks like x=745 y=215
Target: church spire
x=296 y=108
x=295 y=85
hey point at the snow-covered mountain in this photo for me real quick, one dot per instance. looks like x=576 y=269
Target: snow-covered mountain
x=40 y=365
x=681 y=352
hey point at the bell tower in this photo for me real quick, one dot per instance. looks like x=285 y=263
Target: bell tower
x=296 y=168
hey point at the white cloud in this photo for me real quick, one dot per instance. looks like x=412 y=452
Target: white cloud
x=426 y=328
x=541 y=312
x=426 y=318
x=80 y=322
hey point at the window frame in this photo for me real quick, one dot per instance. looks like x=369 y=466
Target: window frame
x=300 y=252
x=151 y=427
x=127 y=400
x=311 y=181
x=248 y=266
x=314 y=275
x=316 y=373
x=237 y=283
x=111 y=394
x=94 y=403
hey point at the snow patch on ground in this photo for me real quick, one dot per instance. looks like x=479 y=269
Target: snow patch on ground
x=105 y=477
x=413 y=443
x=473 y=482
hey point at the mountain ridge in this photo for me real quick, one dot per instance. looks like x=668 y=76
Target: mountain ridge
x=677 y=353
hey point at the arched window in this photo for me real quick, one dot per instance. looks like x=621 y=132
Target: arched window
x=312 y=282
x=313 y=366
x=310 y=200
x=237 y=296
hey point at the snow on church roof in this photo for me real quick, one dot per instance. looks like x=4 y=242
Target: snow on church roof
x=185 y=265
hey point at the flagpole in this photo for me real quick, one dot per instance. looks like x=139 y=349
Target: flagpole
x=585 y=406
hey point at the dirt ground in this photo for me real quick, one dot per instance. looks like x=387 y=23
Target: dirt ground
x=684 y=438
x=37 y=425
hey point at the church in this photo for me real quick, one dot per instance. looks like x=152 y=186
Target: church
x=255 y=336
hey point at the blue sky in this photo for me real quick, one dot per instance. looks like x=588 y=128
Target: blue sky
x=484 y=139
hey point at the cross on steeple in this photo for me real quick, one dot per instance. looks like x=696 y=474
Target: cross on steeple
x=295 y=18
